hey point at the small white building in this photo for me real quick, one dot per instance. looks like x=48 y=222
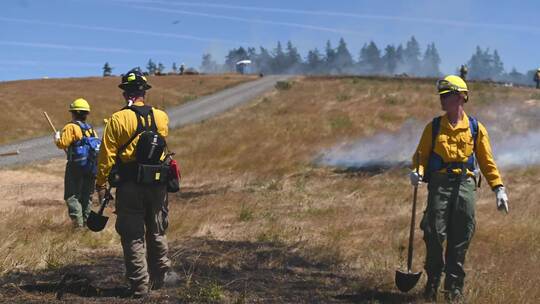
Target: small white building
x=242 y=66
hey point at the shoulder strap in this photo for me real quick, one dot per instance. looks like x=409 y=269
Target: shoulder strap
x=473 y=125
x=140 y=112
x=85 y=127
x=435 y=127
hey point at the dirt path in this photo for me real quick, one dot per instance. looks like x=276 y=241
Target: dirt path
x=42 y=148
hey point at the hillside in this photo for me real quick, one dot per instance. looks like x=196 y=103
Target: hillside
x=24 y=101
x=259 y=219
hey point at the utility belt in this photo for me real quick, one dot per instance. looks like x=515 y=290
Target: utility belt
x=464 y=167
x=452 y=177
x=139 y=173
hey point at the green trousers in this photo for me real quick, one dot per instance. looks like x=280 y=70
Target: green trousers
x=142 y=219
x=78 y=188
x=449 y=217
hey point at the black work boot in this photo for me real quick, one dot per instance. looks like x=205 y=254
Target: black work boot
x=455 y=296
x=430 y=291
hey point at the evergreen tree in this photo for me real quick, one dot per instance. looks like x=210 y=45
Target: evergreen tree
x=251 y=53
x=174 y=68
x=343 y=59
x=314 y=62
x=411 y=56
x=107 y=70
x=498 y=66
x=151 y=67
x=431 y=62
x=400 y=61
x=160 y=69
x=330 y=58
x=293 y=58
x=484 y=65
x=264 y=61
x=390 y=59
x=279 y=60
x=370 y=59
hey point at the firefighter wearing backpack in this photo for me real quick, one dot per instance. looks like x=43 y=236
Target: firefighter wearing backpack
x=449 y=149
x=133 y=143
x=81 y=144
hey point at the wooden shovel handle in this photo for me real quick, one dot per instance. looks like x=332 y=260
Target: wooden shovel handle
x=50 y=122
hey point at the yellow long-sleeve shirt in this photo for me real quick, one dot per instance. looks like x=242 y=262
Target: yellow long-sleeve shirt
x=456 y=144
x=70 y=134
x=119 y=129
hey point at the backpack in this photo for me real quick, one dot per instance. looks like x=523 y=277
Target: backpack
x=148 y=167
x=151 y=144
x=436 y=162
x=84 y=152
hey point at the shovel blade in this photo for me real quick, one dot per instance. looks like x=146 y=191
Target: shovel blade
x=96 y=222
x=406 y=281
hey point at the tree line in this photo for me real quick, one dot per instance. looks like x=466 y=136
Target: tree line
x=407 y=58
x=403 y=59
x=333 y=60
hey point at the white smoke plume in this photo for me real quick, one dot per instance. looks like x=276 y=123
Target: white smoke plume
x=383 y=150
x=511 y=147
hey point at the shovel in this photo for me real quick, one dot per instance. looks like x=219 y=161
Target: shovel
x=406 y=281
x=97 y=221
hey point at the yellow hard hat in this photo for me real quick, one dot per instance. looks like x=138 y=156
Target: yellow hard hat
x=79 y=105
x=451 y=83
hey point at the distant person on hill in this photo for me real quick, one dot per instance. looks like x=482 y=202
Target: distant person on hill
x=537 y=78
x=81 y=144
x=450 y=148
x=182 y=69
x=463 y=70
x=131 y=159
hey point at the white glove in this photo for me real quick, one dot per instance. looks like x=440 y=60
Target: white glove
x=56 y=136
x=416 y=179
x=502 y=199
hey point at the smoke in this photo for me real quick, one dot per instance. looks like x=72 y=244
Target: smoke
x=512 y=146
x=518 y=150
x=381 y=151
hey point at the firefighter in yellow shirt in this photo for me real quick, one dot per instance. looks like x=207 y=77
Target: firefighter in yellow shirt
x=449 y=149
x=76 y=139
x=141 y=207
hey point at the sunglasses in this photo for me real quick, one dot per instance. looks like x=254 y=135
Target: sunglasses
x=445 y=85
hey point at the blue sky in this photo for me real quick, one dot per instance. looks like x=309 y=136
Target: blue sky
x=73 y=38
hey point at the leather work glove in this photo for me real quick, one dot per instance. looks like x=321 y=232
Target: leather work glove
x=102 y=191
x=502 y=199
x=416 y=179
x=56 y=136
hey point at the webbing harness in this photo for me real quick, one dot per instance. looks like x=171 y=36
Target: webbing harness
x=142 y=112
x=436 y=163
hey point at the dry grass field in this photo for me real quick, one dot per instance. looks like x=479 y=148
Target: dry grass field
x=25 y=100
x=257 y=221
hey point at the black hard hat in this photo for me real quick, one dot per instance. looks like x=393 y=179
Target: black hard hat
x=134 y=80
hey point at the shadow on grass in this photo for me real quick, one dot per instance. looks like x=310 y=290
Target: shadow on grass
x=208 y=271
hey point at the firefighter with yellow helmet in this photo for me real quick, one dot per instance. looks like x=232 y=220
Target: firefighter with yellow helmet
x=81 y=144
x=450 y=150
x=131 y=163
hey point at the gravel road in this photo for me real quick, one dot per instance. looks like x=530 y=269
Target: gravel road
x=42 y=148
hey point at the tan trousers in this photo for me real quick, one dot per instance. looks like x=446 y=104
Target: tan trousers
x=142 y=218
